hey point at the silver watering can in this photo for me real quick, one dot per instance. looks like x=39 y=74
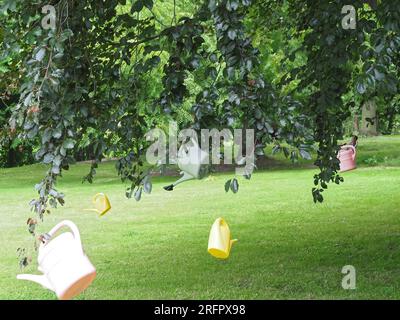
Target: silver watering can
x=190 y=160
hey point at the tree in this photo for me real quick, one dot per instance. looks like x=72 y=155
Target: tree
x=361 y=62
x=13 y=151
x=105 y=66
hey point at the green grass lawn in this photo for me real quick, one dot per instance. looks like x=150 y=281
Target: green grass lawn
x=157 y=249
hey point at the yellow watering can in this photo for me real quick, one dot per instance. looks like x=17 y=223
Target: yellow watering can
x=220 y=243
x=101 y=203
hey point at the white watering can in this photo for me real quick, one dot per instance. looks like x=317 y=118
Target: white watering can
x=190 y=159
x=66 y=269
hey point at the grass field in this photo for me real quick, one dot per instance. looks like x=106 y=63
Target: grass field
x=288 y=247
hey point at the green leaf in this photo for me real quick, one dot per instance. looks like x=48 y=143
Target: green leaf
x=28 y=99
x=232 y=5
x=235 y=186
x=276 y=149
x=55 y=169
x=57 y=161
x=305 y=154
x=67 y=33
x=69 y=144
x=47 y=134
x=147 y=186
x=138 y=194
x=40 y=54
x=212 y=5
x=379 y=75
x=361 y=88
x=137 y=6
x=148 y=4
x=48 y=158
x=57 y=133
x=232 y=34
x=228 y=185
x=213 y=58
x=63 y=151
x=286 y=152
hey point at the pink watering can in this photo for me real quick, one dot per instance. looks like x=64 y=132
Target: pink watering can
x=347 y=157
x=66 y=269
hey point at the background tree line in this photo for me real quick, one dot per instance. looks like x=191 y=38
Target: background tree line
x=112 y=70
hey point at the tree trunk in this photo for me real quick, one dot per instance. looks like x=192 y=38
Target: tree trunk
x=356 y=124
x=11 y=157
x=369 y=118
x=392 y=118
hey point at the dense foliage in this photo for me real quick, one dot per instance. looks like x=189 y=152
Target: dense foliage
x=111 y=70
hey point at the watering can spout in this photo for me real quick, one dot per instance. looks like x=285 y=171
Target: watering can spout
x=186 y=176
x=40 y=279
x=232 y=242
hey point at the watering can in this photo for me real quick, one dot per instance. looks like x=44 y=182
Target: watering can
x=66 y=269
x=190 y=158
x=102 y=204
x=219 y=242
x=347 y=157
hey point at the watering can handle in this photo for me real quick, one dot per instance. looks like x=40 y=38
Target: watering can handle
x=184 y=148
x=97 y=196
x=193 y=140
x=74 y=229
